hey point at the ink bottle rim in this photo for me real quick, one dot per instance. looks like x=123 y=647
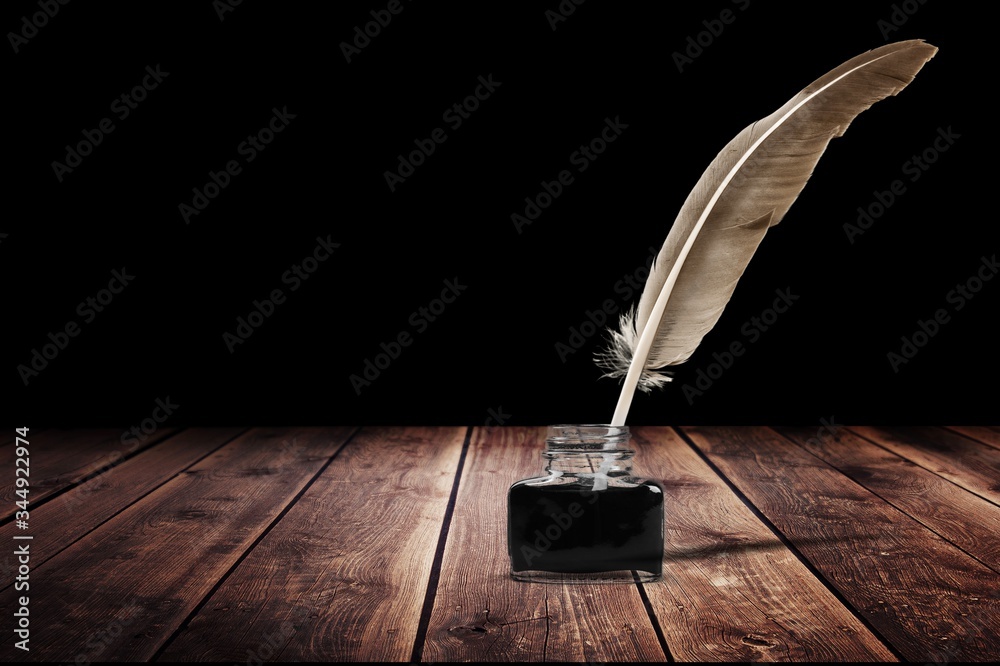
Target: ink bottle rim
x=587 y=437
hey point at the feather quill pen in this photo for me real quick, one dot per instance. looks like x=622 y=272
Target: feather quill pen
x=747 y=189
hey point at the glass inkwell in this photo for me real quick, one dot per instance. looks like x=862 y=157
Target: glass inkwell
x=590 y=519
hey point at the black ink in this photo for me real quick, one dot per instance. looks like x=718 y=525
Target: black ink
x=575 y=530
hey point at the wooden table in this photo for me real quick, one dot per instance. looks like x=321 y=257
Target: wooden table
x=388 y=544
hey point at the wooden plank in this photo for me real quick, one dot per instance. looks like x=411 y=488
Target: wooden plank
x=123 y=589
x=732 y=591
x=965 y=519
x=59 y=522
x=924 y=595
x=989 y=435
x=60 y=458
x=343 y=575
x=480 y=614
x=970 y=464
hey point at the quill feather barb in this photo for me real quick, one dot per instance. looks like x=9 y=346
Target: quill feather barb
x=747 y=189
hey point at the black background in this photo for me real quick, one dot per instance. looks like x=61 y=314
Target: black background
x=494 y=348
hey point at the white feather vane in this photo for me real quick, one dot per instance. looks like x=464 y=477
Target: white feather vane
x=746 y=189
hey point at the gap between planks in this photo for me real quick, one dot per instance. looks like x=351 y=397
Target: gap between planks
x=206 y=515
x=481 y=614
x=344 y=574
x=919 y=604
x=65 y=517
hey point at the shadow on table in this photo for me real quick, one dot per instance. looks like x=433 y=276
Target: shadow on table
x=729 y=544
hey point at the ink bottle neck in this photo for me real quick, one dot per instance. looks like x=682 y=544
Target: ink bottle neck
x=588 y=450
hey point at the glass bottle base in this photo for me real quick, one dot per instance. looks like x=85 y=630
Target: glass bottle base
x=623 y=576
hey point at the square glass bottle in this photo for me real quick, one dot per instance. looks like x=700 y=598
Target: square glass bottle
x=589 y=519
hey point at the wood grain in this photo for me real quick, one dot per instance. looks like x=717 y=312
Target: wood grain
x=123 y=589
x=280 y=545
x=965 y=519
x=60 y=458
x=989 y=435
x=480 y=614
x=927 y=597
x=343 y=575
x=58 y=522
x=970 y=464
x=732 y=591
